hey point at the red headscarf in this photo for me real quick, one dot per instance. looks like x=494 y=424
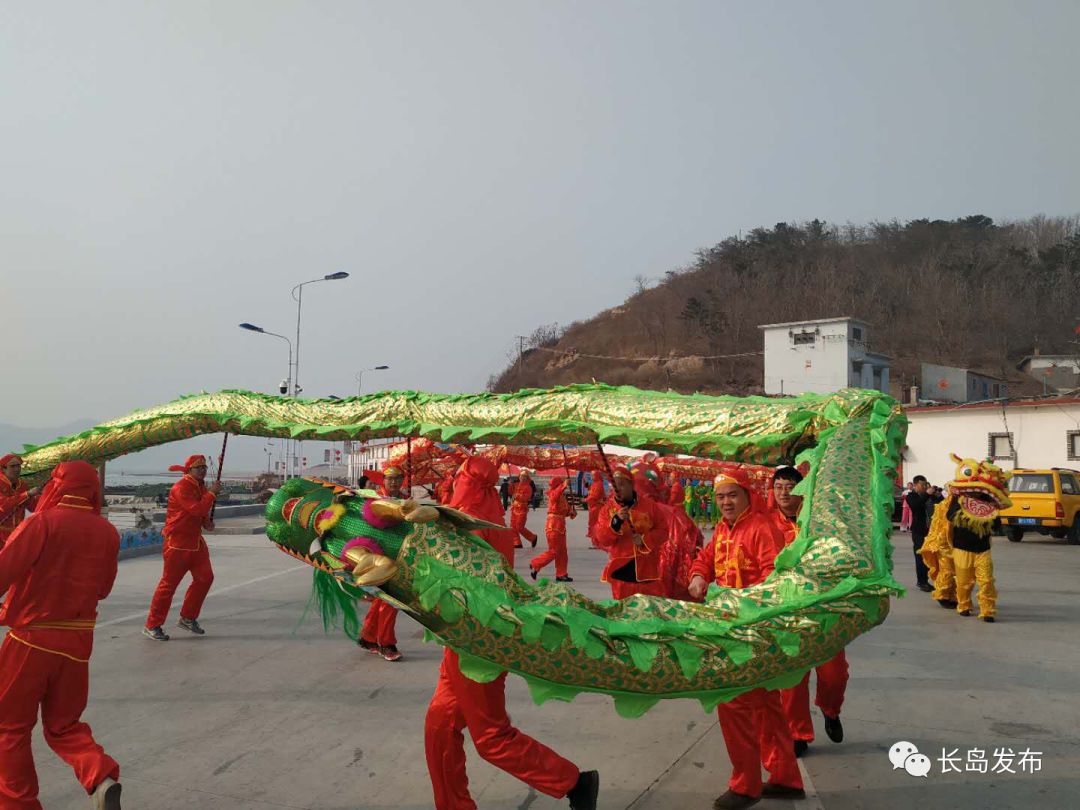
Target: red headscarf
x=474 y=490
x=192 y=461
x=646 y=479
x=9 y=457
x=556 y=487
x=73 y=483
x=739 y=476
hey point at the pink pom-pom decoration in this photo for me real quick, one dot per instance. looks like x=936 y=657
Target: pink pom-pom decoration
x=363 y=542
x=375 y=520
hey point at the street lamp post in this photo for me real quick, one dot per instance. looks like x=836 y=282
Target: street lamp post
x=360 y=376
x=250 y=327
x=298 y=297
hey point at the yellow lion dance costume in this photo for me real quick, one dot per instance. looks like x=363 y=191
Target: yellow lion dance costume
x=957 y=549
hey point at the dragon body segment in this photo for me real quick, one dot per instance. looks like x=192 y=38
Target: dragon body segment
x=832 y=583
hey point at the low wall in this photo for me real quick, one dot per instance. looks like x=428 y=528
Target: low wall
x=140 y=542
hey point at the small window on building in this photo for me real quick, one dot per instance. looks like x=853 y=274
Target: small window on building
x=1073 y=447
x=803 y=338
x=1000 y=446
x=856 y=333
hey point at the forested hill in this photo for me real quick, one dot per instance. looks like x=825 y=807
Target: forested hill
x=967 y=292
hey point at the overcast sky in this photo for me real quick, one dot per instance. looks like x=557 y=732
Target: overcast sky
x=479 y=168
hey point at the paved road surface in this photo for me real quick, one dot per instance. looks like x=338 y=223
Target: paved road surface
x=268 y=712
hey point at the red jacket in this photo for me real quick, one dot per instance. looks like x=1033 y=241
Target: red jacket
x=187 y=514
x=14 y=501
x=559 y=509
x=743 y=554
x=522 y=495
x=596 y=496
x=475 y=494
x=676 y=495
x=650 y=522
x=785 y=525
x=55 y=568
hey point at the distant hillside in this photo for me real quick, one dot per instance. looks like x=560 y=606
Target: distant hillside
x=967 y=293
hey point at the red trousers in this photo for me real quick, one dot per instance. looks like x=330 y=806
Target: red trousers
x=756 y=733
x=460 y=703
x=556 y=551
x=518 y=514
x=379 y=624
x=594 y=514
x=177 y=564
x=59 y=685
x=832 y=678
x=621 y=590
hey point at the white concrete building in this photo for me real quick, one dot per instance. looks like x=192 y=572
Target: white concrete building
x=1057 y=372
x=1027 y=433
x=821 y=356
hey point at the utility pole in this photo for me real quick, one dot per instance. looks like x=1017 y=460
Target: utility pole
x=521 y=352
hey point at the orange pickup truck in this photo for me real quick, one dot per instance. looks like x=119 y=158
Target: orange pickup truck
x=1043 y=501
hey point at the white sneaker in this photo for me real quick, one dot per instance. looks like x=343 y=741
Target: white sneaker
x=106 y=796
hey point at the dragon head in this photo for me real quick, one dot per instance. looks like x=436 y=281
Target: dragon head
x=980 y=488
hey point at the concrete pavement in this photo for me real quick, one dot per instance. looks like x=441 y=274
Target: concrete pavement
x=268 y=711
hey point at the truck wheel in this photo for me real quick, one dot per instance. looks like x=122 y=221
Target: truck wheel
x=1014 y=535
x=1073 y=538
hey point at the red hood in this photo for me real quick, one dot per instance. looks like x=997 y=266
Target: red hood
x=73 y=483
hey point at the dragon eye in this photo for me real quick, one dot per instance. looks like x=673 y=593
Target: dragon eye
x=966 y=472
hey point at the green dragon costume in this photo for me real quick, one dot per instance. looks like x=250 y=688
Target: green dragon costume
x=830 y=585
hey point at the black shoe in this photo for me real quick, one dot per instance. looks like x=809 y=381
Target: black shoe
x=583 y=795
x=801 y=747
x=926 y=587
x=156 y=633
x=106 y=796
x=735 y=801
x=191 y=625
x=965 y=612
x=567 y=578
x=370 y=646
x=988 y=619
x=390 y=652
x=772 y=791
x=833 y=728
x=533 y=572
x=948 y=604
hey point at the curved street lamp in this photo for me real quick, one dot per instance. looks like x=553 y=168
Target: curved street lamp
x=298 y=296
x=360 y=376
x=250 y=327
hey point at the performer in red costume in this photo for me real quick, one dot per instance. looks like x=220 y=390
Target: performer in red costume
x=676 y=494
x=832 y=676
x=740 y=554
x=684 y=538
x=55 y=568
x=15 y=498
x=460 y=703
x=559 y=509
x=632 y=528
x=519 y=509
x=594 y=501
x=377 y=635
x=185 y=551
